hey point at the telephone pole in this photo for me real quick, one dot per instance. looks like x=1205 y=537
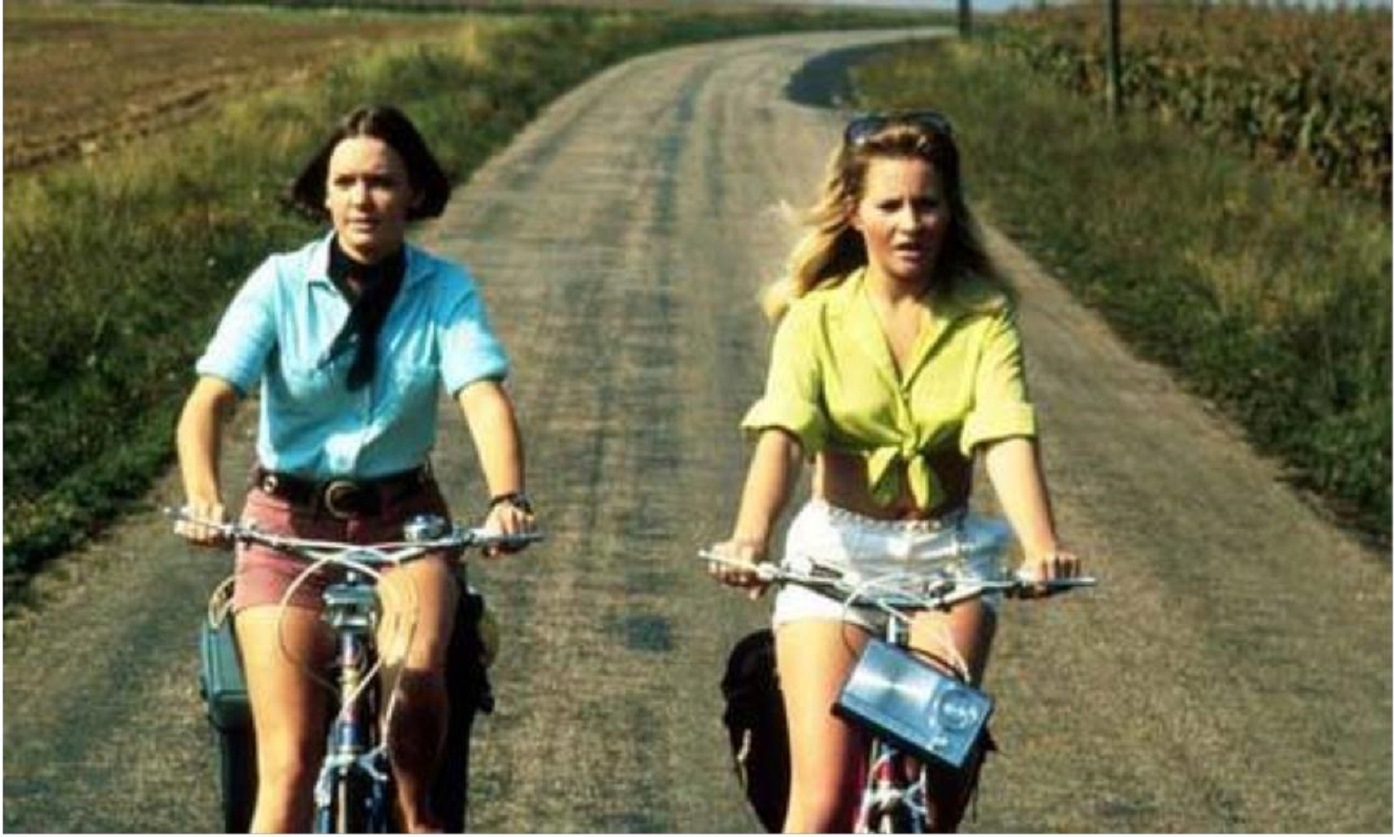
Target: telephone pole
x=1115 y=58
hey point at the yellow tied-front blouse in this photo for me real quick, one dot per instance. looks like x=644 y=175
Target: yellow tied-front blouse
x=833 y=383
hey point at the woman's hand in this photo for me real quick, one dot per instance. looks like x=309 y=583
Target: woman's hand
x=745 y=553
x=509 y=516
x=199 y=520
x=1045 y=566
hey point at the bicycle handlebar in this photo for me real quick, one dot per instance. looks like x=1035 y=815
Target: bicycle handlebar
x=904 y=590
x=456 y=538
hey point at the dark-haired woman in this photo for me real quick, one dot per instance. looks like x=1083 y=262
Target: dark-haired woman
x=895 y=363
x=350 y=338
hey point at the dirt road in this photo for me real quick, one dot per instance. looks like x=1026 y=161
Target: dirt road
x=1232 y=673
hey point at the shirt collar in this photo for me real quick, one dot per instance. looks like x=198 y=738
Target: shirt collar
x=864 y=329
x=318 y=271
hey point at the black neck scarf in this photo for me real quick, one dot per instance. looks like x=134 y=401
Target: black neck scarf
x=377 y=287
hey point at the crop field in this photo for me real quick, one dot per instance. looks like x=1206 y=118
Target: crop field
x=1308 y=88
x=80 y=77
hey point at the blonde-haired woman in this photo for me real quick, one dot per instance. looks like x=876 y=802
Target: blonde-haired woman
x=895 y=362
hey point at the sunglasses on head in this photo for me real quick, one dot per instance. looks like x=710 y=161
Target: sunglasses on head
x=864 y=127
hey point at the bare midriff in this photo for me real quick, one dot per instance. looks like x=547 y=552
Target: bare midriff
x=839 y=478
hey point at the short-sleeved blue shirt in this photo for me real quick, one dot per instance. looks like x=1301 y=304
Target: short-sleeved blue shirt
x=279 y=329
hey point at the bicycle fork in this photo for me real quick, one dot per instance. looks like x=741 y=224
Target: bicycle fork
x=892 y=801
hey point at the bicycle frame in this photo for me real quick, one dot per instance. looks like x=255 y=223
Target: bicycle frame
x=352 y=753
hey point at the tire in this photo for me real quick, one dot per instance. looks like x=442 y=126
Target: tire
x=899 y=821
x=356 y=806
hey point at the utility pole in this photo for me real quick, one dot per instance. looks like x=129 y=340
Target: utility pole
x=965 y=18
x=1115 y=59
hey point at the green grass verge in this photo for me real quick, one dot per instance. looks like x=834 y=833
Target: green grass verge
x=1266 y=294
x=117 y=268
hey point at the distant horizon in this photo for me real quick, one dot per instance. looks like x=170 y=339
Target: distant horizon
x=1004 y=5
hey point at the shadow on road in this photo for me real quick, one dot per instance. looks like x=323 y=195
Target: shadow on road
x=825 y=81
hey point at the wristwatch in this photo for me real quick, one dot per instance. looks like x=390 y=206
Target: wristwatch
x=517 y=499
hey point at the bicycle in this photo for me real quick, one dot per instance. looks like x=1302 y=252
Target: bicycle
x=353 y=791
x=918 y=717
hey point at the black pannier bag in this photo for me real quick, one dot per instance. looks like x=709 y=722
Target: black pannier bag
x=757 y=728
x=224 y=693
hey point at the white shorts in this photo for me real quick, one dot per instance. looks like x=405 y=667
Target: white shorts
x=848 y=540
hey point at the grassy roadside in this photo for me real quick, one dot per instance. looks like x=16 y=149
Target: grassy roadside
x=118 y=267
x=1266 y=294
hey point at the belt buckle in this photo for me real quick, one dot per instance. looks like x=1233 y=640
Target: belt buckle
x=338 y=495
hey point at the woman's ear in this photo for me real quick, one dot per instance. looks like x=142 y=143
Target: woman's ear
x=854 y=218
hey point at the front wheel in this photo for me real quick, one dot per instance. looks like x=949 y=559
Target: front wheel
x=357 y=805
x=895 y=821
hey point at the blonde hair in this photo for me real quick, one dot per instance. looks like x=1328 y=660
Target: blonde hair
x=831 y=248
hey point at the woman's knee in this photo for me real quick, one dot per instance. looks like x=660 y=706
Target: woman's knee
x=419 y=604
x=419 y=714
x=286 y=766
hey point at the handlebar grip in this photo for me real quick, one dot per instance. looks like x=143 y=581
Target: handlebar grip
x=519 y=539
x=1028 y=585
x=1062 y=583
x=764 y=570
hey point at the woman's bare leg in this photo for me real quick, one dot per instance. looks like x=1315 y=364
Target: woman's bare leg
x=288 y=710
x=422 y=595
x=814 y=658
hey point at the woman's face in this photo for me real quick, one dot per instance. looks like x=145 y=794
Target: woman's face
x=903 y=217
x=368 y=196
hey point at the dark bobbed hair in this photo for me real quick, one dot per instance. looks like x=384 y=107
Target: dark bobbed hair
x=391 y=125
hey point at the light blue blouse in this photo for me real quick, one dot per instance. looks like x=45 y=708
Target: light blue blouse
x=279 y=328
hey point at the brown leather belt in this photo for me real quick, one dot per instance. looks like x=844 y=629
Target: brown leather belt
x=342 y=498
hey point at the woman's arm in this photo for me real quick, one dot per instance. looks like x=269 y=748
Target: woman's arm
x=774 y=466
x=199 y=441
x=494 y=427
x=1013 y=466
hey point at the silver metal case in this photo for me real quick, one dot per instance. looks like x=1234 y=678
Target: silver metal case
x=924 y=711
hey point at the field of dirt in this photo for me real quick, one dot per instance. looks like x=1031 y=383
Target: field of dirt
x=82 y=77
x=1231 y=673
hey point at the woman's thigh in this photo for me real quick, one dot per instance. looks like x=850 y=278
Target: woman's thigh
x=814 y=658
x=418 y=614
x=280 y=647
x=962 y=636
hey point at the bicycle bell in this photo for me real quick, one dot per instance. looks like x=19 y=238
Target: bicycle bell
x=425 y=527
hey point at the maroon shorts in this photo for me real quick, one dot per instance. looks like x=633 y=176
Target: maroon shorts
x=263 y=575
